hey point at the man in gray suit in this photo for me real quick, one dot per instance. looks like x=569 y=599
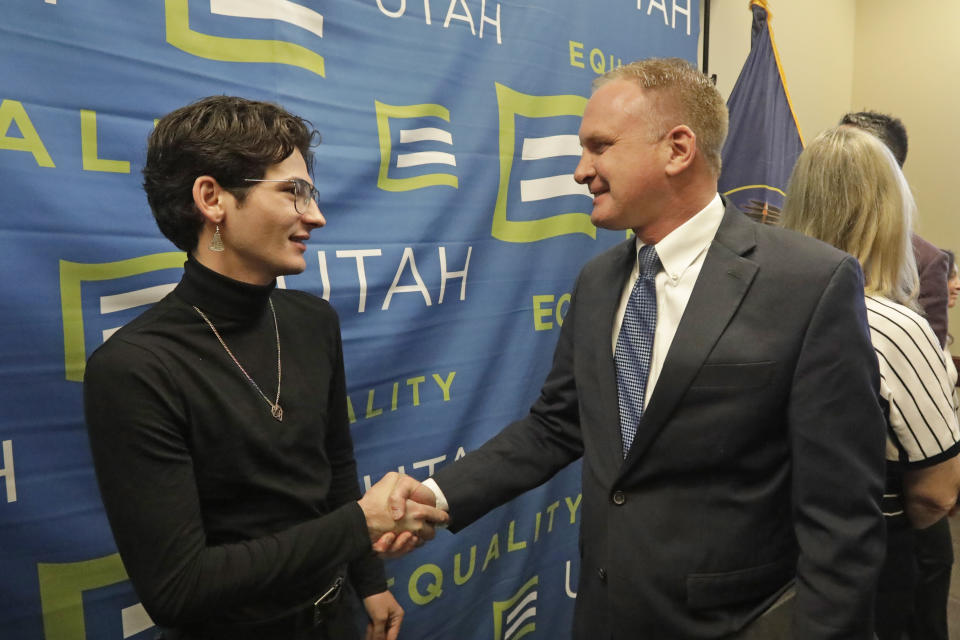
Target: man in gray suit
x=744 y=492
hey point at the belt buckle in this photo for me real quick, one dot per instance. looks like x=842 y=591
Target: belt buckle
x=327 y=598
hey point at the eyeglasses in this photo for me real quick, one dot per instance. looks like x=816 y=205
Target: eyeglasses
x=303 y=193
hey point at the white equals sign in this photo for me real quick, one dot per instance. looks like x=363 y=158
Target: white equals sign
x=282 y=10
x=419 y=158
x=131 y=299
x=551 y=186
x=521 y=612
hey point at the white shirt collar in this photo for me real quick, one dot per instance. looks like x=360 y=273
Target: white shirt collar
x=681 y=247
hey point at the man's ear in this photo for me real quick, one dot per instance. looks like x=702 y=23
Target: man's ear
x=683 y=149
x=208 y=197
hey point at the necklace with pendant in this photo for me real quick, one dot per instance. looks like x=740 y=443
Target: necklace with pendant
x=275 y=410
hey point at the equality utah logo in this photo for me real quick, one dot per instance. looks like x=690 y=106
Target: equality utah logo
x=418 y=146
x=97 y=298
x=547 y=146
x=182 y=34
x=515 y=618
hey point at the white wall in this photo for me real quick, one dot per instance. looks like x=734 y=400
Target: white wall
x=905 y=58
x=816 y=45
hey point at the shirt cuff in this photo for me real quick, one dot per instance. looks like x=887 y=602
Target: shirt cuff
x=431 y=484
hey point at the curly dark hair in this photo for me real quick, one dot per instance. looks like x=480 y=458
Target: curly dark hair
x=225 y=137
x=889 y=129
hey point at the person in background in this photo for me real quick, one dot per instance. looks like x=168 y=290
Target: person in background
x=931 y=262
x=934 y=546
x=953 y=287
x=953 y=281
x=218 y=418
x=847 y=190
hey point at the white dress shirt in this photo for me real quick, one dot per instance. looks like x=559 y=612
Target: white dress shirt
x=681 y=253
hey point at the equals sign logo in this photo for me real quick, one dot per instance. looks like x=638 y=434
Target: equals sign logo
x=514 y=618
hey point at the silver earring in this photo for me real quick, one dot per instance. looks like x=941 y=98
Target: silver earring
x=216 y=243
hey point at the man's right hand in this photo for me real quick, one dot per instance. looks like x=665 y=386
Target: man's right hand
x=407 y=493
x=410 y=521
x=408 y=490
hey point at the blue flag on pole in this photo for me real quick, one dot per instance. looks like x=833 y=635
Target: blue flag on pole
x=764 y=139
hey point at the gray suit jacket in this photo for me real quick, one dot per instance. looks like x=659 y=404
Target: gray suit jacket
x=760 y=456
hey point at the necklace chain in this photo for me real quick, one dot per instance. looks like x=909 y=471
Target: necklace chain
x=275 y=410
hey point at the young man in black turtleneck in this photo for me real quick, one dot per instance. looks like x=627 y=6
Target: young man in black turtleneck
x=218 y=418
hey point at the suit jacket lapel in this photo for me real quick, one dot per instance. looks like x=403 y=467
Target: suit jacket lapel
x=723 y=281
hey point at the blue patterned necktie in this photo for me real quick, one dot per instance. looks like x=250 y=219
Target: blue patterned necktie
x=635 y=345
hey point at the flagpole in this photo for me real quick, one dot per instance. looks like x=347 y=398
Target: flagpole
x=706 y=37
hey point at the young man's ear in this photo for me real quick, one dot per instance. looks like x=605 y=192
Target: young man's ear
x=207 y=197
x=683 y=149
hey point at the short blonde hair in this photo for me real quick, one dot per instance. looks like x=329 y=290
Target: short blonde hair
x=695 y=101
x=847 y=190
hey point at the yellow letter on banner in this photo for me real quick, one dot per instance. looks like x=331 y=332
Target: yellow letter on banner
x=12 y=111
x=512 y=104
x=434 y=589
x=88 y=146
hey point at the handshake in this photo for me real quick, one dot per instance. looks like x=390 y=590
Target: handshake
x=401 y=514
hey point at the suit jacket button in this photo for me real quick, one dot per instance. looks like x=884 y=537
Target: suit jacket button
x=602 y=574
x=619 y=498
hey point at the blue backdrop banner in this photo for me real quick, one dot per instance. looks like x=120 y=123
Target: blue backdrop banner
x=454 y=231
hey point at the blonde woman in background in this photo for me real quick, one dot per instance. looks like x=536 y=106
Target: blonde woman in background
x=847 y=190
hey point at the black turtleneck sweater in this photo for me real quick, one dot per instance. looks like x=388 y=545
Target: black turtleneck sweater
x=221 y=513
